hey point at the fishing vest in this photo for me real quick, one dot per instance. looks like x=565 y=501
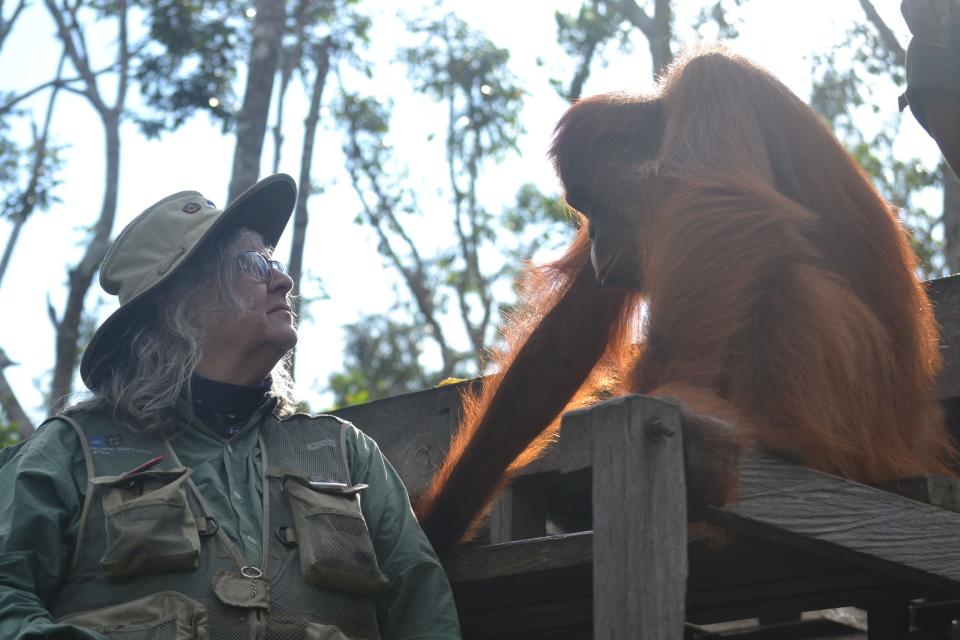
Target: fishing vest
x=151 y=562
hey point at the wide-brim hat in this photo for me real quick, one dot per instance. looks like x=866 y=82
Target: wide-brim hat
x=159 y=241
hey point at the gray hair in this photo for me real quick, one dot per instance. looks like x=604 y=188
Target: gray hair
x=160 y=350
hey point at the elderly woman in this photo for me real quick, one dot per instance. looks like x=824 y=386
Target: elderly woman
x=187 y=499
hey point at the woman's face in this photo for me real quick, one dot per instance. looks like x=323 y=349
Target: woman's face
x=242 y=347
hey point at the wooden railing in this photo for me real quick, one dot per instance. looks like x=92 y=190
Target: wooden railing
x=623 y=563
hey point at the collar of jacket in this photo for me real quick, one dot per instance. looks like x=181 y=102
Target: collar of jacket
x=189 y=426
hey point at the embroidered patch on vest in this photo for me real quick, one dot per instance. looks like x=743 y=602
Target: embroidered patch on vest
x=109 y=441
x=313 y=446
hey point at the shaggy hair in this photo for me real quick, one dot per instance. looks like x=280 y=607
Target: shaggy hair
x=160 y=350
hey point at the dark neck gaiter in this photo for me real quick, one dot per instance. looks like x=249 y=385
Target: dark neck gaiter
x=225 y=407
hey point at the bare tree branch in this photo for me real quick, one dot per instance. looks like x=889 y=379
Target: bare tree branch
x=29 y=197
x=635 y=14
x=587 y=51
x=123 y=58
x=77 y=56
x=658 y=29
x=886 y=33
x=80 y=276
x=288 y=61
x=9 y=403
x=7 y=25
x=381 y=215
x=60 y=83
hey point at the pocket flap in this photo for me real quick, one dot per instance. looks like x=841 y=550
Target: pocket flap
x=239 y=591
x=163 y=610
x=321 y=483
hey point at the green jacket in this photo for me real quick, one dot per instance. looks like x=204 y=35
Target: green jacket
x=46 y=481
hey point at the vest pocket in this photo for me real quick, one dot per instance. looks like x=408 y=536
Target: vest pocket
x=149 y=527
x=166 y=615
x=332 y=537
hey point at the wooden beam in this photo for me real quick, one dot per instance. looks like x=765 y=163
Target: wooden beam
x=639 y=520
x=413 y=430
x=545 y=585
x=840 y=519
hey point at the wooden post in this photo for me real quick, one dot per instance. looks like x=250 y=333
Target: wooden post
x=639 y=519
x=518 y=514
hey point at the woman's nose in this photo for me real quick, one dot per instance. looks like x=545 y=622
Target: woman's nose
x=280 y=281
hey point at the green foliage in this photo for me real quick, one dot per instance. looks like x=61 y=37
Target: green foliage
x=536 y=222
x=460 y=67
x=451 y=291
x=584 y=37
x=716 y=16
x=845 y=94
x=9 y=432
x=381 y=359
x=16 y=168
x=188 y=62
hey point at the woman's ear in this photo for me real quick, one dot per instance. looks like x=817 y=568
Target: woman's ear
x=599 y=137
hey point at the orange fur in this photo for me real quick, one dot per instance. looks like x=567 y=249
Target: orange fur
x=783 y=309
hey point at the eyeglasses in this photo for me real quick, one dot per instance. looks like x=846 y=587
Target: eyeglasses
x=258 y=266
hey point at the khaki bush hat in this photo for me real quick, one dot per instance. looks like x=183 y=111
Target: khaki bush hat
x=158 y=242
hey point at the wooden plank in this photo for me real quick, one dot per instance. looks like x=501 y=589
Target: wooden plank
x=838 y=518
x=536 y=584
x=639 y=519
x=939 y=491
x=413 y=430
x=551 y=553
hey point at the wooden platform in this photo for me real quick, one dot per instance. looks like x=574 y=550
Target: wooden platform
x=622 y=564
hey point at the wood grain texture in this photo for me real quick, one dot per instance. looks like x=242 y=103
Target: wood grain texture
x=413 y=430
x=551 y=553
x=544 y=586
x=845 y=520
x=640 y=520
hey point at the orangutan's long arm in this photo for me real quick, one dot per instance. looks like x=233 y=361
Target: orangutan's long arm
x=517 y=405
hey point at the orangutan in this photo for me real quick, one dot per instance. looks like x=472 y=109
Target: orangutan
x=743 y=265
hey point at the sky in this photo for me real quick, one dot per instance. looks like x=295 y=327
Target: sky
x=778 y=34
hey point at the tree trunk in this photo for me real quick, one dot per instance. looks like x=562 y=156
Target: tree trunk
x=300 y=216
x=658 y=29
x=661 y=35
x=288 y=61
x=265 y=44
x=81 y=276
x=951 y=218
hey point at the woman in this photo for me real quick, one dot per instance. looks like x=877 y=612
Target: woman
x=186 y=499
